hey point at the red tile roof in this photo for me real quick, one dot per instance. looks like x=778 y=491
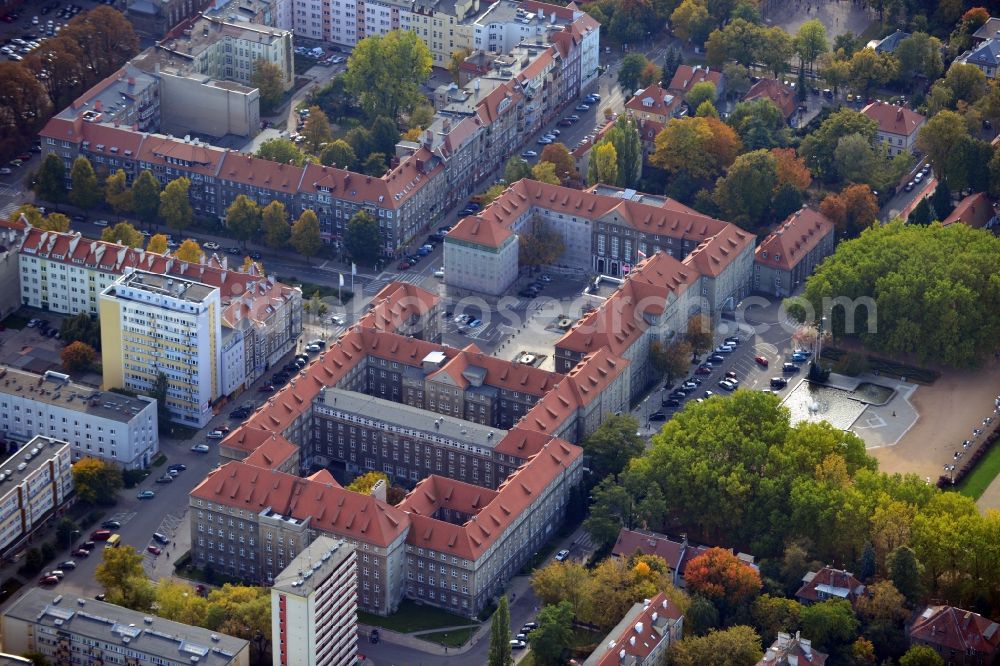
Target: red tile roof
x=649 y=543
x=327 y=506
x=957 y=630
x=641 y=637
x=272 y=453
x=801 y=231
x=257 y=172
x=654 y=100
x=782 y=96
x=894 y=119
x=829 y=582
x=438 y=492
x=686 y=77
x=975 y=210
x=395 y=304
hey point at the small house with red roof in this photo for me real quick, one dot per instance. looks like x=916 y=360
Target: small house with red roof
x=687 y=77
x=975 y=210
x=776 y=91
x=791 y=252
x=829 y=583
x=654 y=103
x=961 y=637
x=897 y=126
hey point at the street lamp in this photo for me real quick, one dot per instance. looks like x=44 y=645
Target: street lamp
x=819 y=339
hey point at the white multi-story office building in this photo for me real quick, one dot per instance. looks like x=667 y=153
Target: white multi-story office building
x=314 y=607
x=34 y=483
x=109 y=426
x=154 y=323
x=68 y=630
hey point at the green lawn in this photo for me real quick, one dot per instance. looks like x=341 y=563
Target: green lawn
x=455 y=638
x=411 y=617
x=982 y=476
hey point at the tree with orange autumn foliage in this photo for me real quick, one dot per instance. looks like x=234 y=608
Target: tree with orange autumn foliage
x=722 y=577
x=852 y=210
x=791 y=169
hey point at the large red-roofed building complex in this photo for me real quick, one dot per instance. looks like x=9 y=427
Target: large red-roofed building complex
x=791 y=253
x=961 y=637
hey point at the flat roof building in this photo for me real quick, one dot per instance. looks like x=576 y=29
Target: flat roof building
x=314 y=607
x=110 y=426
x=152 y=324
x=35 y=483
x=82 y=631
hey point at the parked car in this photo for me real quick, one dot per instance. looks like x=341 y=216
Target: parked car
x=100 y=223
x=778 y=382
x=439 y=273
x=166 y=478
x=724 y=349
x=68 y=564
x=111 y=525
x=160 y=538
x=80 y=552
x=100 y=535
x=562 y=555
x=215 y=434
x=658 y=416
x=200 y=448
x=211 y=245
x=514 y=643
x=671 y=402
x=48 y=580
x=702 y=370
x=761 y=361
x=731 y=374
x=582 y=107
x=147 y=494
x=789 y=367
x=528 y=154
x=798 y=357
x=155 y=550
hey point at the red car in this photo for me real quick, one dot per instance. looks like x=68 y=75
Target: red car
x=155 y=550
x=48 y=580
x=24 y=157
x=761 y=361
x=403 y=265
x=702 y=370
x=81 y=552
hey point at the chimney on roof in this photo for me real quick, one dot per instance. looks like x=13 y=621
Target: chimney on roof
x=98 y=105
x=899 y=113
x=131 y=81
x=428 y=139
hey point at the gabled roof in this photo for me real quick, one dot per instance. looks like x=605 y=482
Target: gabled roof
x=474 y=538
x=654 y=99
x=988 y=30
x=986 y=54
x=829 y=582
x=273 y=452
x=638 y=634
x=957 y=630
x=894 y=119
x=329 y=507
x=975 y=210
x=395 y=305
x=891 y=43
x=649 y=543
x=786 y=246
x=686 y=77
x=782 y=96
x=437 y=492
x=258 y=172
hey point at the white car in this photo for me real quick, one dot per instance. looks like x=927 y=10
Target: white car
x=313 y=348
x=439 y=273
x=201 y=448
x=724 y=349
x=100 y=223
x=562 y=555
x=517 y=645
x=211 y=245
x=215 y=434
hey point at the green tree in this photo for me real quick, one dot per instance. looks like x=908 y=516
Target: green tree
x=158 y=392
x=54 y=222
x=490 y=195
x=146 y=196
x=540 y=245
x=896 y=264
x=123 y=233
x=86 y=192
x=744 y=194
x=117 y=193
x=374 y=164
x=561 y=160
x=967 y=83
x=563 y=581
x=274 y=224
x=78 y=357
x=775 y=614
x=81 y=327
x=707 y=110
x=50 y=184
x=701 y=617
x=612 y=509
x=836 y=71
x=554 y=633
x=699 y=147
x=180 y=602
x=830 y=625
x=97 y=481
x=701 y=92
x=363 y=238
x=281 y=150
x=384 y=73
x=385 y=135
x=269 y=80
x=360 y=140
x=340 y=154
x=317 y=128
x=736 y=646
x=455 y=64
x=869 y=69
x=305 y=237
x=904 y=572
x=239 y=610
x=500 y=653
x=939 y=137
x=739 y=40
x=919 y=55
x=545 y=172
x=624 y=134
x=777 y=50
x=612 y=445
x=175 y=207
x=603 y=164
x=819 y=147
x=921 y=214
x=243 y=218
x=124 y=580
x=811 y=42
x=921 y=655
x=516 y=169
x=66 y=531
x=691 y=21
x=630 y=70
x=699 y=333
x=759 y=124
